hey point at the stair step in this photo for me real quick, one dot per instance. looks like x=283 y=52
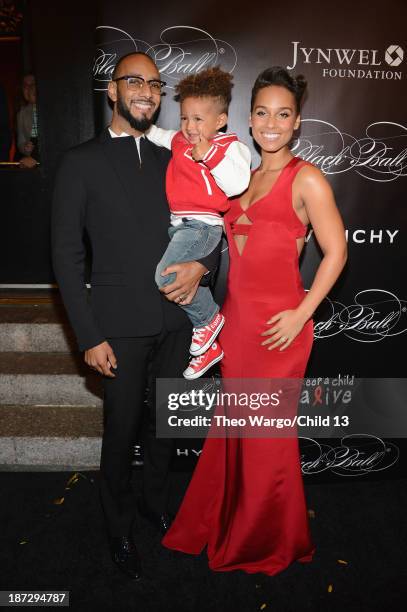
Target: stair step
x=51 y=421
x=32 y=313
x=40 y=453
x=36 y=338
x=50 y=437
x=42 y=363
x=29 y=296
x=48 y=378
x=51 y=414
x=36 y=327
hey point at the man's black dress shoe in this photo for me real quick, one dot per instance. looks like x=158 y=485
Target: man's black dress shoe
x=125 y=556
x=162 y=522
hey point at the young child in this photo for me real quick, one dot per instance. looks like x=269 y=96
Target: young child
x=207 y=167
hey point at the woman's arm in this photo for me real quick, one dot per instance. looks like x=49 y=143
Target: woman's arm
x=320 y=206
x=321 y=211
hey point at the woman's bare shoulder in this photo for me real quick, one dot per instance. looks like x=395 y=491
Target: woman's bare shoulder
x=309 y=177
x=308 y=171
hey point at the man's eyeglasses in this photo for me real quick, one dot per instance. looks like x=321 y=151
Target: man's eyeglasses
x=136 y=83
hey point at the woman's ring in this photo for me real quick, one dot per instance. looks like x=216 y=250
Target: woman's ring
x=283 y=339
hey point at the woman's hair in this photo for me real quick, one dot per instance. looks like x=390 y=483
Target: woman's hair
x=213 y=83
x=279 y=76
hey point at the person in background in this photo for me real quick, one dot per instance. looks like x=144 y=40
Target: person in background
x=27 y=127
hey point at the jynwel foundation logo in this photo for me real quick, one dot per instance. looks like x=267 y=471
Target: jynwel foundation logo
x=340 y=63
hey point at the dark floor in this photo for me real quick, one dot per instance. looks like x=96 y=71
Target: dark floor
x=362 y=523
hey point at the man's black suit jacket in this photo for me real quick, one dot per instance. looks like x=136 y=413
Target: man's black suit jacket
x=103 y=190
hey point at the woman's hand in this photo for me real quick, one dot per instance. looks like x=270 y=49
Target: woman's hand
x=285 y=326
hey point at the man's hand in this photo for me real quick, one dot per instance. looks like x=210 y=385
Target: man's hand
x=102 y=359
x=183 y=289
x=28 y=162
x=201 y=148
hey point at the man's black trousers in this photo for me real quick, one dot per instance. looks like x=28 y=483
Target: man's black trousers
x=140 y=361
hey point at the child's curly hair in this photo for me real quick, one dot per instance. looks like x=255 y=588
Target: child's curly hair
x=213 y=83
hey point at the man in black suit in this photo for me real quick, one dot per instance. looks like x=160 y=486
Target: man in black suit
x=113 y=189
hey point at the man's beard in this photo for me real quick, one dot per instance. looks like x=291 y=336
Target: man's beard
x=141 y=125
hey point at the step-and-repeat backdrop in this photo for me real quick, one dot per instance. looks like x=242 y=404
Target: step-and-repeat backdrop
x=353 y=128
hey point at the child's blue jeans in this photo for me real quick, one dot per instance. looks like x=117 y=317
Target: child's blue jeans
x=191 y=240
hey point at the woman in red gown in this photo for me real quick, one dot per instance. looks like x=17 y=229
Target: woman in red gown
x=246 y=498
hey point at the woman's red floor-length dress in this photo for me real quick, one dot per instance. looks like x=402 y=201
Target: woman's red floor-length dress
x=246 y=500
